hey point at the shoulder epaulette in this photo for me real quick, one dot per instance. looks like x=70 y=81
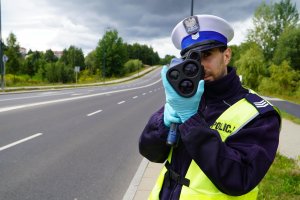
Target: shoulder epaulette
x=262 y=105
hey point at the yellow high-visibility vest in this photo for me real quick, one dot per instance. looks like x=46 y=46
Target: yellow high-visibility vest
x=200 y=187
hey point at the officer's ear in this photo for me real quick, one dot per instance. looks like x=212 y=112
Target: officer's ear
x=227 y=56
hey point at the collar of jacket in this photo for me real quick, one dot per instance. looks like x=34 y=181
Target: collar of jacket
x=223 y=88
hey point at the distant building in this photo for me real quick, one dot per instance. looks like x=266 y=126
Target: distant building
x=58 y=54
x=23 y=51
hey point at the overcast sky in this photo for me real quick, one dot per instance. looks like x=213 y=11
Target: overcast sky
x=57 y=24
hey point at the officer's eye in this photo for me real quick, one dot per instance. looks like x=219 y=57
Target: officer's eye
x=206 y=54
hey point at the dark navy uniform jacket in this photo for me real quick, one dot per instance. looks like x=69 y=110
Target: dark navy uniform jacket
x=235 y=166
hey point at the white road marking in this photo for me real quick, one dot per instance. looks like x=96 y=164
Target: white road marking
x=20 y=141
x=94 y=113
x=38 y=96
x=5 y=109
x=135 y=97
x=121 y=102
x=144 y=93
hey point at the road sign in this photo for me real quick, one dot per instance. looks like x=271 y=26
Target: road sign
x=5 y=58
x=77 y=69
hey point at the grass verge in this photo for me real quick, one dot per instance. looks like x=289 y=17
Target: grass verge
x=290 y=117
x=282 y=182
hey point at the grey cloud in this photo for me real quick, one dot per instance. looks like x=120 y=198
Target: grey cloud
x=147 y=19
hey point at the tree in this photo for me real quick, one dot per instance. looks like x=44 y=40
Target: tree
x=133 y=50
x=235 y=54
x=252 y=66
x=12 y=52
x=73 y=57
x=269 y=22
x=285 y=15
x=32 y=63
x=91 y=62
x=167 y=59
x=144 y=53
x=288 y=48
x=49 y=56
x=111 y=54
x=52 y=73
x=239 y=51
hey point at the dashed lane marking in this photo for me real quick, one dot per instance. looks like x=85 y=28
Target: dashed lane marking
x=93 y=113
x=5 y=109
x=20 y=141
x=121 y=102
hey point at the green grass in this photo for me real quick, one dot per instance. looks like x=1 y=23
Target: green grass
x=289 y=117
x=294 y=99
x=284 y=114
x=282 y=182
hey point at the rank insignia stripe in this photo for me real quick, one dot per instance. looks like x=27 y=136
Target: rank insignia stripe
x=259 y=103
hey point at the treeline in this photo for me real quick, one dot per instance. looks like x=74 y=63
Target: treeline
x=269 y=60
x=111 y=58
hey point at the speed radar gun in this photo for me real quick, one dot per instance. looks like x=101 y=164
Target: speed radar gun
x=184 y=77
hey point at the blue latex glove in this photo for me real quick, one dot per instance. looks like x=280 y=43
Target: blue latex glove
x=184 y=107
x=170 y=116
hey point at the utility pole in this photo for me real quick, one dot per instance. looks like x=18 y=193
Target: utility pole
x=192 y=7
x=103 y=65
x=1 y=54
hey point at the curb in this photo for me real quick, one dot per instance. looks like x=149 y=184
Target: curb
x=29 y=89
x=132 y=189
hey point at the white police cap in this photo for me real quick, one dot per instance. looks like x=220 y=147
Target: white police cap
x=201 y=28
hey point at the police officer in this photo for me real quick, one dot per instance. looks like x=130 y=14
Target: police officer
x=228 y=134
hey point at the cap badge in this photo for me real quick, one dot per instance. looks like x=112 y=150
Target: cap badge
x=191 y=25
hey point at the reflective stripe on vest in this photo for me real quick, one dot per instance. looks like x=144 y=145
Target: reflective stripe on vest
x=229 y=123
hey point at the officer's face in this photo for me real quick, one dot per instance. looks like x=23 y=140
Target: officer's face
x=215 y=63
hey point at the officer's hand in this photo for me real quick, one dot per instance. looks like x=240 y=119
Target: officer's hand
x=170 y=116
x=184 y=107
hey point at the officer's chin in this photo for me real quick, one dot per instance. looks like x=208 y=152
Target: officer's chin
x=208 y=79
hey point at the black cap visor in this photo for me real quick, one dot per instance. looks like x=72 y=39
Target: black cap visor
x=202 y=46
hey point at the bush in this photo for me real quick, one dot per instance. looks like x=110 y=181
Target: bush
x=85 y=76
x=132 y=66
x=283 y=80
x=59 y=72
x=17 y=80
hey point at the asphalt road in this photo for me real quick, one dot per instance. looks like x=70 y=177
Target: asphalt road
x=74 y=144
x=289 y=107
